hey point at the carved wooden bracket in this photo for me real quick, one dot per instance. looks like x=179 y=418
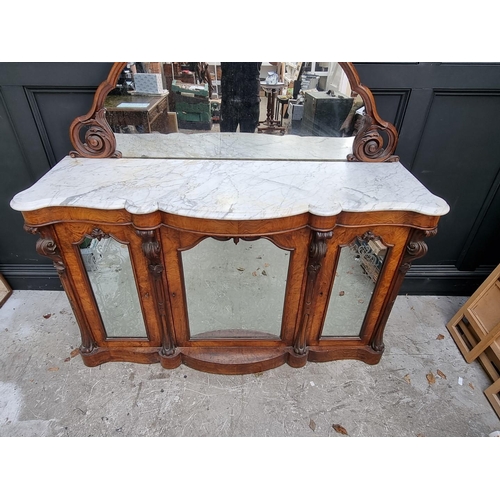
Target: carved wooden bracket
x=47 y=247
x=152 y=251
x=317 y=252
x=99 y=141
x=98 y=234
x=236 y=239
x=416 y=248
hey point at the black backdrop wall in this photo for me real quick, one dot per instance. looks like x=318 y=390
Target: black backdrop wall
x=447 y=115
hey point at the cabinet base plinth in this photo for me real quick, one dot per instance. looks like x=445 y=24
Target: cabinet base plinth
x=100 y=355
x=230 y=360
x=297 y=360
x=363 y=353
x=172 y=361
x=233 y=360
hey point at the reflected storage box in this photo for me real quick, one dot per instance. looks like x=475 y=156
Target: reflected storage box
x=148 y=83
x=189 y=89
x=296 y=111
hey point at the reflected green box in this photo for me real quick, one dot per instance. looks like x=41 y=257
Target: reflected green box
x=193 y=117
x=190 y=88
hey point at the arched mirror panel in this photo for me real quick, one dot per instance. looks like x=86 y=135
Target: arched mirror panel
x=243 y=288
x=359 y=266
x=109 y=270
x=254 y=110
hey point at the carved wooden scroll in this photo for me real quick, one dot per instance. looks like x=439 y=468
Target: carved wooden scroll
x=47 y=247
x=99 y=141
x=416 y=248
x=377 y=139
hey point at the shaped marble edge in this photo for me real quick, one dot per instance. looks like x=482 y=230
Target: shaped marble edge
x=230 y=189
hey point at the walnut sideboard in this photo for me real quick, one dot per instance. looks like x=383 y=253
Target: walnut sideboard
x=120 y=232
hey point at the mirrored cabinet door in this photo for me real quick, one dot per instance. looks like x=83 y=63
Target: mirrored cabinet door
x=359 y=265
x=109 y=269
x=243 y=288
x=112 y=280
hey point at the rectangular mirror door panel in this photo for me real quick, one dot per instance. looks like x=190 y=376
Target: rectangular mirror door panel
x=111 y=277
x=359 y=266
x=235 y=287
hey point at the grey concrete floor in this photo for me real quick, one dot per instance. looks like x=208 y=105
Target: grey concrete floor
x=46 y=392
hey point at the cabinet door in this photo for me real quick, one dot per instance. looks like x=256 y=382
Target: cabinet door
x=110 y=273
x=355 y=282
x=248 y=291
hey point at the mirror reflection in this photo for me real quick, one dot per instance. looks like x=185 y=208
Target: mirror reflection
x=358 y=268
x=109 y=269
x=278 y=98
x=243 y=287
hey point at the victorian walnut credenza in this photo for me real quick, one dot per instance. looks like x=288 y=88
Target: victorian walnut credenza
x=142 y=231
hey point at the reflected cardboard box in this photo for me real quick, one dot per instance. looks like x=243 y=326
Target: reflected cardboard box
x=148 y=83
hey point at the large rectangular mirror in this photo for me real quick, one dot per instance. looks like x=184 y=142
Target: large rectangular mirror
x=228 y=104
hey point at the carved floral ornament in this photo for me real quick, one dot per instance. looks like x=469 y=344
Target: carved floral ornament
x=375 y=141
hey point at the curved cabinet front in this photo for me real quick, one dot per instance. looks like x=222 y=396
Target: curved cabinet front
x=144 y=288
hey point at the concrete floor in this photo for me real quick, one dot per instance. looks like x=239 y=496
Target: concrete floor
x=46 y=392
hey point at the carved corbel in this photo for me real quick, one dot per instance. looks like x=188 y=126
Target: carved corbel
x=317 y=252
x=47 y=247
x=416 y=248
x=152 y=250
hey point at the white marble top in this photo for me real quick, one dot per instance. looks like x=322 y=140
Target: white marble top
x=233 y=145
x=230 y=189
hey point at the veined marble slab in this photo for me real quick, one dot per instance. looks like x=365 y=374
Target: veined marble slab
x=233 y=145
x=229 y=189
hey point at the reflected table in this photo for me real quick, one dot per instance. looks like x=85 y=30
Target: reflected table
x=130 y=238
x=141 y=113
x=270 y=124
